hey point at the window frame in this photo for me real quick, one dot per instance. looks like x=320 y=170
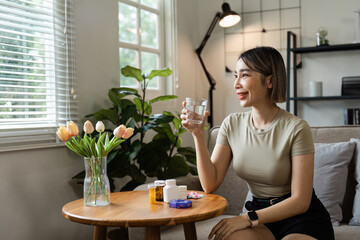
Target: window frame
x=167 y=49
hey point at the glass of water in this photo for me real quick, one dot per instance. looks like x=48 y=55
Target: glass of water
x=197 y=109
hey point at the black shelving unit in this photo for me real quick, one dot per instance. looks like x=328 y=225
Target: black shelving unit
x=292 y=52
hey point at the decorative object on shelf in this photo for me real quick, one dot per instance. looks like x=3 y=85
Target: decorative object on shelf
x=357 y=26
x=315 y=89
x=321 y=37
x=227 y=18
x=94 y=151
x=352 y=116
x=350 y=86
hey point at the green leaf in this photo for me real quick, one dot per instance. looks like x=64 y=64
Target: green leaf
x=117 y=94
x=177 y=167
x=136 y=174
x=163 y=98
x=178 y=142
x=129 y=71
x=106 y=114
x=138 y=104
x=134 y=150
x=148 y=108
x=189 y=153
x=80 y=175
x=161 y=118
x=131 y=185
x=159 y=73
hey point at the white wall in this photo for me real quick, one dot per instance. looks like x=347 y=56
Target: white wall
x=35 y=184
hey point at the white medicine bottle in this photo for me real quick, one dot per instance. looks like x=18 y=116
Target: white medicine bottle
x=171 y=191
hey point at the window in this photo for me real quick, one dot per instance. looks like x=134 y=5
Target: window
x=142 y=44
x=37 y=89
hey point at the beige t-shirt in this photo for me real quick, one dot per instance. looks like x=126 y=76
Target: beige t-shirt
x=263 y=157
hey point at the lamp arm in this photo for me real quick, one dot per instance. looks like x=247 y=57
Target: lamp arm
x=208 y=33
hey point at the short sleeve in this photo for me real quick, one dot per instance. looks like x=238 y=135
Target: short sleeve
x=223 y=135
x=303 y=142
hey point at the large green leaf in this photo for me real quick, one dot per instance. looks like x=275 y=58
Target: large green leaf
x=159 y=73
x=134 y=150
x=189 y=153
x=160 y=118
x=106 y=114
x=138 y=104
x=136 y=174
x=129 y=71
x=131 y=185
x=177 y=167
x=163 y=98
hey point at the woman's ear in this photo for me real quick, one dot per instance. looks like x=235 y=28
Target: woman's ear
x=269 y=81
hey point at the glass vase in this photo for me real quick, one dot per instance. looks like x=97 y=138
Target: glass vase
x=96 y=182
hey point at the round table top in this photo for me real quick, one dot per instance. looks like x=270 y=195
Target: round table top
x=132 y=209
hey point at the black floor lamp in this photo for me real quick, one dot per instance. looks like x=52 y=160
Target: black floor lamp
x=227 y=18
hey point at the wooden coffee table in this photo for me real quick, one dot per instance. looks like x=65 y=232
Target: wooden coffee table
x=132 y=209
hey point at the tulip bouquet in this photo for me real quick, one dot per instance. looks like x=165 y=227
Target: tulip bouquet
x=94 y=151
x=88 y=146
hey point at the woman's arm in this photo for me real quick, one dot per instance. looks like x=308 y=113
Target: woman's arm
x=211 y=170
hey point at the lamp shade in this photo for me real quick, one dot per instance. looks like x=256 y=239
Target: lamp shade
x=228 y=18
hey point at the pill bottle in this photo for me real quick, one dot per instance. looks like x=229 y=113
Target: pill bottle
x=160 y=184
x=152 y=193
x=182 y=192
x=170 y=190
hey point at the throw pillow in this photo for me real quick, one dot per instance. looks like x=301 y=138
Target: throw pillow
x=330 y=175
x=355 y=220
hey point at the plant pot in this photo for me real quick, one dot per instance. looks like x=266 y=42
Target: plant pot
x=96 y=182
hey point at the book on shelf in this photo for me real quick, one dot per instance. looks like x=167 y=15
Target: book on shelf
x=352 y=116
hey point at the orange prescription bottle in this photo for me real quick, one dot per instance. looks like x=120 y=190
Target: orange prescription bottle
x=152 y=193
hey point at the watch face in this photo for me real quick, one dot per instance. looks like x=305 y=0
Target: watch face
x=253 y=216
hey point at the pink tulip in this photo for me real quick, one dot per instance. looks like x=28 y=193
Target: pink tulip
x=72 y=128
x=128 y=133
x=88 y=127
x=63 y=133
x=119 y=131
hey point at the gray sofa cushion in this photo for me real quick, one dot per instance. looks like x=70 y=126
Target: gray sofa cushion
x=355 y=220
x=330 y=175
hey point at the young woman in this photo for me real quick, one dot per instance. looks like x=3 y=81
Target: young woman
x=272 y=150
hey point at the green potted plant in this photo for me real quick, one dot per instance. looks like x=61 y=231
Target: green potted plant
x=163 y=157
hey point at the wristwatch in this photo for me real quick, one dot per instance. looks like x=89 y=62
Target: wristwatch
x=253 y=218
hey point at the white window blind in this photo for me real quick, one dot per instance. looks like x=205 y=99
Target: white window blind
x=37 y=82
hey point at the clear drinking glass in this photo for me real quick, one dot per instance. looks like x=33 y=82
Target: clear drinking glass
x=197 y=109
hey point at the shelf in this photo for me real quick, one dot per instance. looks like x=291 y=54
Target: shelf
x=330 y=48
x=325 y=98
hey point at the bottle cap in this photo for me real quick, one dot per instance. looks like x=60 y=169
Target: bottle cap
x=159 y=183
x=150 y=186
x=170 y=182
x=182 y=187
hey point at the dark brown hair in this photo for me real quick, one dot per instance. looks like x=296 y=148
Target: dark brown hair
x=268 y=61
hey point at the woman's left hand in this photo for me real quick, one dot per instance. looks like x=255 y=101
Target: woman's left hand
x=227 y=226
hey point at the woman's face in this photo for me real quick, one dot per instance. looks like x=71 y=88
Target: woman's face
x=249 y=87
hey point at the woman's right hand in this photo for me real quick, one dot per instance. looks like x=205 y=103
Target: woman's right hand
x=194 y=129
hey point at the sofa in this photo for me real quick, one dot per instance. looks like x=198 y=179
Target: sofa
x=337 y=165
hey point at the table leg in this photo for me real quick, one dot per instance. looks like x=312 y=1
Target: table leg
x=100 y=233
x=190 y=231
x=152 y=233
